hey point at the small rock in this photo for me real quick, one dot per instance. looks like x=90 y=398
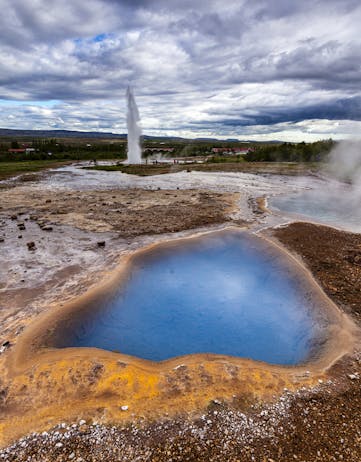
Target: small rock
x=353 y=376
x=2 y=239
x=59 y=445
x=101 y=244
x=20 y=236
x=124 y=408
x=14 y=217
x=47 y=228
x=47 y=201
x=5 y=346
x=82 y=422
x=180 y=366
x=31 y=245
x=21 y=226
x=71 y=456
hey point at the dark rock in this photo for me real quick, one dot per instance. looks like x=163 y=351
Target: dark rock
x=14 y=217
x=101 y=244
x=5 y=346
x=354 y=256
x=47 y=201
x=20 y=236
x=21 y=226
x=2 y=239
x=47 y=228
x=31 y=245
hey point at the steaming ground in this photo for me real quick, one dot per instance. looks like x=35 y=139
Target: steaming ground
x=95 y=217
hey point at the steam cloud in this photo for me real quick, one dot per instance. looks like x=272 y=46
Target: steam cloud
x=345 y=165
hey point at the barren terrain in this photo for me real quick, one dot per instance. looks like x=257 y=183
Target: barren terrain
x=79 y=236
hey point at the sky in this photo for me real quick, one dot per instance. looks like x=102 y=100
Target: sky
x=246 y=69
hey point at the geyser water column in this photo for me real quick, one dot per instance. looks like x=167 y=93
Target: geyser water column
x=134 y=155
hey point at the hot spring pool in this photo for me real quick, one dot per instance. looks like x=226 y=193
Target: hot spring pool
x=224 y=293
x=336 y=207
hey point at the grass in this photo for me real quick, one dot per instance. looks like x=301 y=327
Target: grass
x=278 y=168
x=10 y=169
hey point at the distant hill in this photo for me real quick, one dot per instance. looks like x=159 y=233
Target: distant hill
x=13 y=133
x=59 y=134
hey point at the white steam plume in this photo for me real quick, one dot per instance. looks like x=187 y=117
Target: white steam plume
x=345 y=165
x=134 y=131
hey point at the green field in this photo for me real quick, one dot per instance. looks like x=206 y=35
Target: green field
x=9 y=169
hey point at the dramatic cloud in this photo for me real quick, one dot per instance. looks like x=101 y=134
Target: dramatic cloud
x=285 y=70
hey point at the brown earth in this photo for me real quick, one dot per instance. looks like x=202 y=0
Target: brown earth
x=130 y=212
x=333 y=256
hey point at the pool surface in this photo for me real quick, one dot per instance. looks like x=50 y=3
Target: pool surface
x=223 y=293
x=338 y=207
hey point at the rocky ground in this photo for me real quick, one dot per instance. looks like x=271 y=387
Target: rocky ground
x=309 y=426
x=128 y=212
x=318 y=424
x=334 y=258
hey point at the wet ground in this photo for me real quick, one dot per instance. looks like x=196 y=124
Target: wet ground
x=80 y=223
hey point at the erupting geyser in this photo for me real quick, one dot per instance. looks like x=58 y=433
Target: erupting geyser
x=134 y=155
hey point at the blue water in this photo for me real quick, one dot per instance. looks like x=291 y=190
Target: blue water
x=335 y=207
x=224 y=293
